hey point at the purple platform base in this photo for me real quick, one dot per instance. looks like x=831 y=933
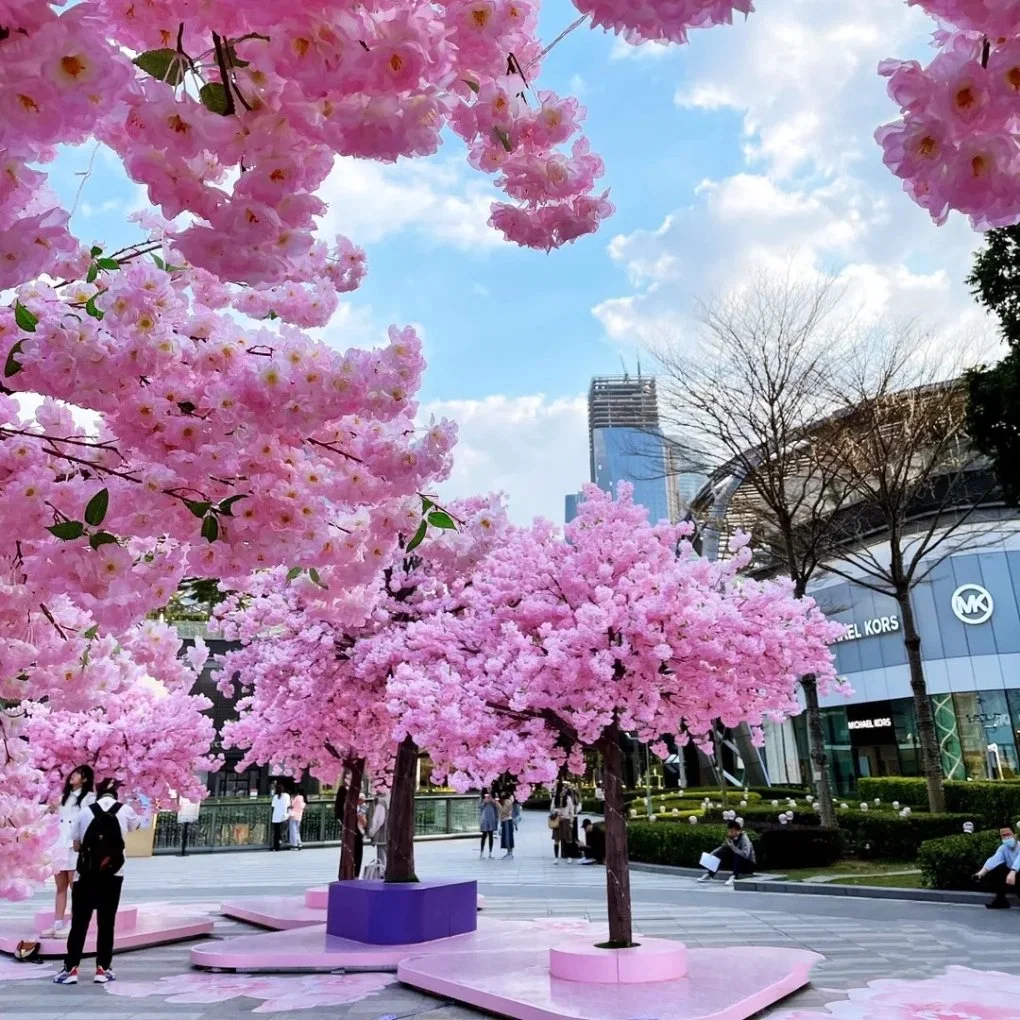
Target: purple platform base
x=310 y=950
x=401 y=914
x=281 y=913
x=136 y=928
x=722 y=984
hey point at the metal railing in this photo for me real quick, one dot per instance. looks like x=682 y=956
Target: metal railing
x=245 y=825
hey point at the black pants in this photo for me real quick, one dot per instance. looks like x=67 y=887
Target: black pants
x=733 y=862
x=279 y=828
x=487 y=836
x=359 y=853
x=99 y=896
x=994 y=881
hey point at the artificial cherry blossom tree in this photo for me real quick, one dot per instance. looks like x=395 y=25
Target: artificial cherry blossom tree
x=317 y=661
x=563 y=647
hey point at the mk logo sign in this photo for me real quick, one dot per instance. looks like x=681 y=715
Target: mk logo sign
x=972 y=603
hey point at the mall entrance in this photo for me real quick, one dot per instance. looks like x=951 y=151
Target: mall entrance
x=873 y=744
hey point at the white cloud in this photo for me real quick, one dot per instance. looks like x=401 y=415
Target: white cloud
x=811 y=193
x=442 y=202
x=532 y=448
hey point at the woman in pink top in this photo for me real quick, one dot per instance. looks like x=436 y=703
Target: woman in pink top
x=297 y=812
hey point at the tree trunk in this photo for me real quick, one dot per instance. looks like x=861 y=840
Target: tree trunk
x=816 y=750
x=931 y=759
x=400 y=831
x=617 y=866
x=349 y=832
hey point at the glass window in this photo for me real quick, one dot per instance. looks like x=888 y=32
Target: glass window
x=948 y=734
x=986 y=730
x=837 y=745
x=905 y=725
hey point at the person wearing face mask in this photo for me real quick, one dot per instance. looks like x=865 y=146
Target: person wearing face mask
x=999 y=871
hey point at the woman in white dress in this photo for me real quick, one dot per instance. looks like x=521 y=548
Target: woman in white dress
x=77 y=794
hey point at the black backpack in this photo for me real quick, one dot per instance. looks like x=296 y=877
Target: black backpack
x=102 y=849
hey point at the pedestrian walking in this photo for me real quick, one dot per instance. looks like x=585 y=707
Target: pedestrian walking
x=297 y=812
x=488 y=823
x=78 y=793
x=280 y=807
x=99 y=838
x=506 y=826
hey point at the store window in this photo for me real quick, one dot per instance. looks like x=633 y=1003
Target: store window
x=836 y=729
x=986 y=735
x=905 y=727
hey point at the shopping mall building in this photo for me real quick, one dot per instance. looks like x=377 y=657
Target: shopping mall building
x=968 y=614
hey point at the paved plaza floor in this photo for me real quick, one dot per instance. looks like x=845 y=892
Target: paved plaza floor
x=861 y=939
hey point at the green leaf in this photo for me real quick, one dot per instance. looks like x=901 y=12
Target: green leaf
x=226 y=504
x=441 y=519
x=214 y=98
x=90 y=307
x=101 y=538
x=24 y=318
x=293 y=572
x=505 y=139
x=197 y=507
x=96 y=508
x=416 y=540
x=271 y=315
x=90 y=276
x=166 y=65
x=12 y=365
x=160 y=264
x=66 y=531
x=111 y=264
x=96 y=250
x=314 y=576
x=91 y=632
x=426 y=504
x=473 y=85
x=210 y=529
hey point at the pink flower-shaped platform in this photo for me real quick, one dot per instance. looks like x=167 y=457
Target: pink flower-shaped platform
x=958 y=994
x=136 y=928
x=282 y=913
x=722 y=984
x=310 y=949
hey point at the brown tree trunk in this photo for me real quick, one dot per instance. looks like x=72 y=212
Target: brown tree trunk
x=400 y=833
x=617 y=866
x=816 y=750
x=931 y=759
x=349 y=833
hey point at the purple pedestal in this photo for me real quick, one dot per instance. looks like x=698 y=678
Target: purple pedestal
x=401 y=914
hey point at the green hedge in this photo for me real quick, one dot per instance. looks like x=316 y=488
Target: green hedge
x=992 y=803
x=876 y=834
x=776 y=847
x=756 y=815
x=950 y=862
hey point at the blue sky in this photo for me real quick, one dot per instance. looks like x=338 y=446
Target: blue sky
x=750 y=146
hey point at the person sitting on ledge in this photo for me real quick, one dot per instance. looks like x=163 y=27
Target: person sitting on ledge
x=999 y=871
x=736 y=855
x=594 y=843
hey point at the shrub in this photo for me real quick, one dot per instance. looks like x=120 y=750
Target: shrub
x=769 y=793
x=757 y=815
x=988 y=802
x=872 y=834
x=798 y=846
x=677 y=845
x=950 y=862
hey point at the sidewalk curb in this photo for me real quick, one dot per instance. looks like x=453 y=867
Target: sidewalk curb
x=870 y=892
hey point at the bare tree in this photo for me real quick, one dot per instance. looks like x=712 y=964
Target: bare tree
x=914 y=487
x=750 y=402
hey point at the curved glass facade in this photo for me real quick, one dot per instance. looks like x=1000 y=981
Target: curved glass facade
x=968 y=616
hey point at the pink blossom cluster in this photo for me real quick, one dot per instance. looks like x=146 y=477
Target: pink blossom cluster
x=317 y=659
x=153 y=742
x=957 y=144
x=661 y=21
x=622 y=624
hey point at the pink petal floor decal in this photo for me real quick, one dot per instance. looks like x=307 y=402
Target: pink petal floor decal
x=279 y=994
x=958 y=994
x=11 y=970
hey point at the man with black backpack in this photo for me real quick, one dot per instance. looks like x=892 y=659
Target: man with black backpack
x=99 y=839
